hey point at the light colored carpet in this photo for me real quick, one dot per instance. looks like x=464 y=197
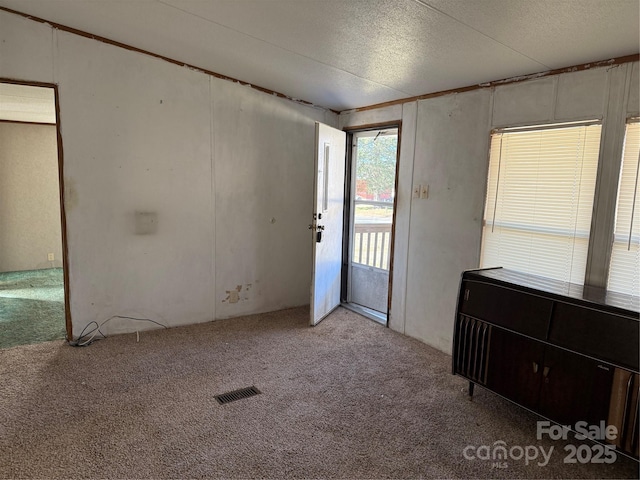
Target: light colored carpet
x=346 y=399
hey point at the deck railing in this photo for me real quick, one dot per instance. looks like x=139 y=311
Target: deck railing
x=372 y=244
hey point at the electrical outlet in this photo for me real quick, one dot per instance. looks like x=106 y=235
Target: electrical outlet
x=50 y=257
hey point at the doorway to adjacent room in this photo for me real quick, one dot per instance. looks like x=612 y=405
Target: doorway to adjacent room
x=33 y=302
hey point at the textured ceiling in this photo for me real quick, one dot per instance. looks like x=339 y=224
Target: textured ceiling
x=344 y=54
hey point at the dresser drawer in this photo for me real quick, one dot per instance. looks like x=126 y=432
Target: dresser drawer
x=517 y=311
x=599 y=334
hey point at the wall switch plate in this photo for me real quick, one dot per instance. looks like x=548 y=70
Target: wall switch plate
x=50 y=257
x=424 y=192
x=416 y=191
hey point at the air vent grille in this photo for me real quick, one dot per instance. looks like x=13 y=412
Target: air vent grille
x=237 y=395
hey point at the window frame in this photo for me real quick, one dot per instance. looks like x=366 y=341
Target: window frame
x=630 y=120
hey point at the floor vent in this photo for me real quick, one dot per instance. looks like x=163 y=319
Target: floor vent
x=237 y=395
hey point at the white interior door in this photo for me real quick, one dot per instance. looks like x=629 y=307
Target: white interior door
x=327 y=223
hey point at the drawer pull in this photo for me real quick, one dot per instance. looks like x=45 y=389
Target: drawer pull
x=535 y=367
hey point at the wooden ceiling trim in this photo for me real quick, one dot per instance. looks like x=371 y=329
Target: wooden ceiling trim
x=506 y=81
x=115 y=43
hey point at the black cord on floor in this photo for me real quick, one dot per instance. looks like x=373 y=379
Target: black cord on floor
x=81 y=342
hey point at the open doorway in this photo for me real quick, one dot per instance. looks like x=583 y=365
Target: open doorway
x=371 y=212
x=33 y=298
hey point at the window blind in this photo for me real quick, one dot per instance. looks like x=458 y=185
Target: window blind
x=624 y=270
x=539 y=201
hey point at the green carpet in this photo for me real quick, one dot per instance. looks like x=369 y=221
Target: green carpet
x=31 y=307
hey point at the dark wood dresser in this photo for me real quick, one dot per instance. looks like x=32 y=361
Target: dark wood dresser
x=567 y=352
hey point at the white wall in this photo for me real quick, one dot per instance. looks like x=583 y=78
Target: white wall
x=264 y=174
x=445 y=143
x=215 y=161
x=29 y=197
